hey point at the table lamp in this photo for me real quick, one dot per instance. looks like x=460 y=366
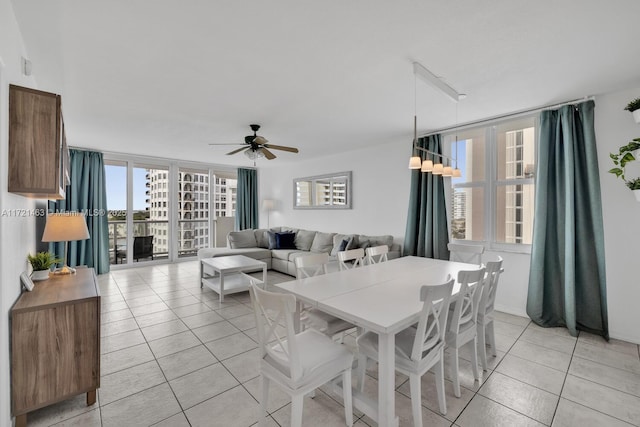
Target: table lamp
x=65 y=227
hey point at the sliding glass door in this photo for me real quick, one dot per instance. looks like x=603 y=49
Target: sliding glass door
x=164 y=212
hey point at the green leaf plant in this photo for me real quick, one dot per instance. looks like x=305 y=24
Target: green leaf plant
x=620 y=160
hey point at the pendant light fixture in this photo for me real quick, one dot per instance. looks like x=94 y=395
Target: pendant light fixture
x=431 y=165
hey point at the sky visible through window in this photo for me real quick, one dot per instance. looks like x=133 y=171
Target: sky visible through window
x=462 y=161
x=116 y=179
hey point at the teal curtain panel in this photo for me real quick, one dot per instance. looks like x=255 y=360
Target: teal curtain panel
x=86 y=193
x=247 y=199
x=427 y=233
x=567 y=281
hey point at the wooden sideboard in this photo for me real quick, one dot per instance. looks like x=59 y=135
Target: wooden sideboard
x=55 y=342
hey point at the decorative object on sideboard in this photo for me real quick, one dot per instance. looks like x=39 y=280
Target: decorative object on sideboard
x=41 y=264
x=65 y=227
x=634 y=108
x=26 y=281
x=626 y=154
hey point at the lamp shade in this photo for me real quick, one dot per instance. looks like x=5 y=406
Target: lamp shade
x=427 y=166
x=268 y=204
x=447 y=171
x=457 y=173
x=415 y=162
x=65 y=227
x=438 y=168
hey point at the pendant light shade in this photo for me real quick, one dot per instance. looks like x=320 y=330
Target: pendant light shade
x=415 y=162
x=457 y=173
x=438 y=168
x=427 y=166
x=447 y=171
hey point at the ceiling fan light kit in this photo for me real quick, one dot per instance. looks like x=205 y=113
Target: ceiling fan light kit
x=256 y=146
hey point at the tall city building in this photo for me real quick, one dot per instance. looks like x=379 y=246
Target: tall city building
x=193 y=208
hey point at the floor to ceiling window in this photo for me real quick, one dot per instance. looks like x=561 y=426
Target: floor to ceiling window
x=161 y=211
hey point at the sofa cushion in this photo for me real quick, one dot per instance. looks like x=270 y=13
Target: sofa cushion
x=337 y=243
x=270 y=237
x=322 y=242
x=375 y=241
x=261 y=239
x=242 y=239
x=285 y=254
x=304 y=239
x=285 y=240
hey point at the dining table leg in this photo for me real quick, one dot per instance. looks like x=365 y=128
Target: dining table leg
x=386 y=380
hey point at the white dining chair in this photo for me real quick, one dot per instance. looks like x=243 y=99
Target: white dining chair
x=297 y=363
x=418 y=349
x=485 y=311
x=462 y=329
x=460 y=252
x=310 y=266
x=377 y=254
x=350 y=259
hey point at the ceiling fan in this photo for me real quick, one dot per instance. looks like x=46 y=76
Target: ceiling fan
x=256 y=146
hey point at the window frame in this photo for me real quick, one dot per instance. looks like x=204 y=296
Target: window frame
x=491 y=183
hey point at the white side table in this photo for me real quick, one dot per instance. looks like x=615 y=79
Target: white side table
x=220 y=273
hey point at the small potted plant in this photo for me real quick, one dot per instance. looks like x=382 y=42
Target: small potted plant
x=627 y=153
x=634 y=108
x=41 y=263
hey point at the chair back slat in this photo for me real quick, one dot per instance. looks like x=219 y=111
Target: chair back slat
x=494 y=270
x=377 y=254
x=466 y=305
x=433 y=317
x=273 y=311
x=311 y=265
x=354 y=255
x=471 y=254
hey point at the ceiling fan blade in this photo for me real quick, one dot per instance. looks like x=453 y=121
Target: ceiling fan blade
x=268 y=154
x=236 y=151
x=281 y=147
x=260 y=140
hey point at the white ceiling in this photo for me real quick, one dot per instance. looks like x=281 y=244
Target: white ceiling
x=167 y=77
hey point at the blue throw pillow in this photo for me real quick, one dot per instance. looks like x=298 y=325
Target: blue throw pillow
x=273 y=244
x=285 y=240
x=344 y=244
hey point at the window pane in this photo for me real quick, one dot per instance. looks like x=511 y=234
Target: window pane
x=467 y=222
x=116 y=181
x=514 y=213
x=469 y=150
x=150 y=217
x=192 y=235
x=516 y=149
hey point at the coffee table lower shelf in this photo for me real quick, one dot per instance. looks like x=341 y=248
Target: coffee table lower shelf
x=232 y=283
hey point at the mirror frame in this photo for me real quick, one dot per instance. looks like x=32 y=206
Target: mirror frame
x=346 y=176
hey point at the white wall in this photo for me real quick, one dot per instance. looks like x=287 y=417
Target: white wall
x=380 y=198
x=16 y=233
x=380 y=189
x=621 y=212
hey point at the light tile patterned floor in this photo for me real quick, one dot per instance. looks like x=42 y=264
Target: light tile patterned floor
x=173 y=356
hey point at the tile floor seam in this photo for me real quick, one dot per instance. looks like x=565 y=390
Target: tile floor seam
x=475 y=393
x=564 y=381
x=604 y=385
x=598 y=411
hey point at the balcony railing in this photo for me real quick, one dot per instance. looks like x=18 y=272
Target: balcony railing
x=191 y=234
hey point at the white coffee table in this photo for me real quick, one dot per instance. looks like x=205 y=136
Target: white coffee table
x=220 y=273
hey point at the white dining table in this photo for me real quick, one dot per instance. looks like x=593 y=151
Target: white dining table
x=383 y=298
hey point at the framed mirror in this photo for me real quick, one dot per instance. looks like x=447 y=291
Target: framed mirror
x=330 y=191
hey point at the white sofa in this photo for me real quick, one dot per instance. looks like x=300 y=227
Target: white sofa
x=262 y=244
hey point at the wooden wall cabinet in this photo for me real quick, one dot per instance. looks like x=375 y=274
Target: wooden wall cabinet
x=55 y=343
x=38 y=153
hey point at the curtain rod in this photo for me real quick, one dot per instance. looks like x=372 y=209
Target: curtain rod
x=143 y=157
x=506 y=116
